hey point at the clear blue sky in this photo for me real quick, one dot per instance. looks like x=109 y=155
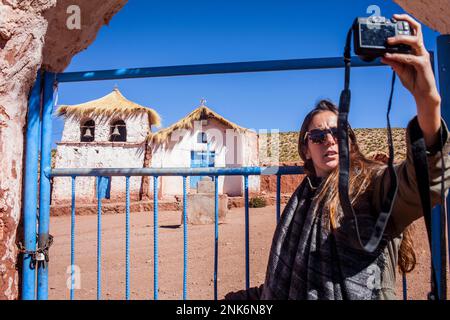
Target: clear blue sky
x=163 y=33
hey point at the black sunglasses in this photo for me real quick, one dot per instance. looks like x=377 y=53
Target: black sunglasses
x=318 y=136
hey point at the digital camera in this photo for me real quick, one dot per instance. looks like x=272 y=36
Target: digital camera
x=370 y=36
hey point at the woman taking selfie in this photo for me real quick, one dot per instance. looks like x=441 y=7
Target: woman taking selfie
x=315 y=253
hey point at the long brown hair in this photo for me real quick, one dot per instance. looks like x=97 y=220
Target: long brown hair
x=362 y=171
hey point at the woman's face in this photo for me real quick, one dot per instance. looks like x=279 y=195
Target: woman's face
x=325 y=155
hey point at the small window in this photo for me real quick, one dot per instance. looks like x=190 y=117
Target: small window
x=202 y=137
x=87 y=130
x=118 y=131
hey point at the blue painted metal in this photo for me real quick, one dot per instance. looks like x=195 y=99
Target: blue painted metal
x=103 y=191
x=443 y=53
x=44 y=188
x=256 y=66
x=436 y=244
x=405 y=287
x=216 y=233
x=214 y=68
x=127 y=240
x=99 y=241
x=85 y=172
x=278 y=197
x=247 y=235
x=155 y=238
x=448 y=227
x=72 y=243
x=30 y=190
x=185 y=239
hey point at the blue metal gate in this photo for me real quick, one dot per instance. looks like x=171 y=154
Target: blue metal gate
x=42 y=98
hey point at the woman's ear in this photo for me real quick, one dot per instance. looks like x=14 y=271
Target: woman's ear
x=307 y=154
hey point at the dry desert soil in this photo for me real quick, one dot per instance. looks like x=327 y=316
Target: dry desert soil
x=231 y=261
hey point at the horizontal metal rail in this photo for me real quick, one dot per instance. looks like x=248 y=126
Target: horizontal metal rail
x=213 y=68
x=94 y=172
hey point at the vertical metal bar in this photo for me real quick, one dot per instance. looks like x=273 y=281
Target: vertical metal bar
x=127 y=240
x=72 y=243
x=44 y=190
x=247 y=236
x=447 y=203
x=30 y=190
x=155 y=238
x=216 y=233
x=99 y=242
x=185 y=240
x=436 y=245
x=405 y=287
x=443 y=53
x=278 y=197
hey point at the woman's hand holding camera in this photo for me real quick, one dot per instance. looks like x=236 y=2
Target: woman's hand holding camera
x=416 y=74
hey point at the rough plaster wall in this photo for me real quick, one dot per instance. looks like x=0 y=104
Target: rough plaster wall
x=32 y=33
x=243 y=151
x=251 y=159
x=24 y=25
x=22 y=30
x=61 y=44
x=137 y=129
x=71 y=153
x=177 y=154
x=433 y=13
x=114 y=155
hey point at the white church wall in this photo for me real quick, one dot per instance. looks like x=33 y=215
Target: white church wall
x=71 y=153
x=137 y=128
x=94 y=156
x=230 y=152
x=251 y=159
x=232 y=149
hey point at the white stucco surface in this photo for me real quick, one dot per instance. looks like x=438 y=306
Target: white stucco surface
x=137 y=128
x=232 y=149
x=71 y=153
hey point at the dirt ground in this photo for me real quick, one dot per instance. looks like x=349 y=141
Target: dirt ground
x=231 y=270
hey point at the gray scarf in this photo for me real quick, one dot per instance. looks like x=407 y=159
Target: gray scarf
x=309 y=261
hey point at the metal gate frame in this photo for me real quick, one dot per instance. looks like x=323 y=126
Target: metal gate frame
x=39 y=128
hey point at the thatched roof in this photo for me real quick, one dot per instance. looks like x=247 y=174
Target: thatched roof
x=201 y=113
x=111 y=105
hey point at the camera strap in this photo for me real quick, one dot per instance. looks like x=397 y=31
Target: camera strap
x=421 y=169
x=423 y=180
x=344 y=161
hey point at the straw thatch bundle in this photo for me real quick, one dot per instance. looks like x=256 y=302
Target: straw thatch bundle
x=201 y=113
x=111 y=105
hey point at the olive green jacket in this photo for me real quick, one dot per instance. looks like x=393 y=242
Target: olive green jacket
x=374 y=273
x=407 y=205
